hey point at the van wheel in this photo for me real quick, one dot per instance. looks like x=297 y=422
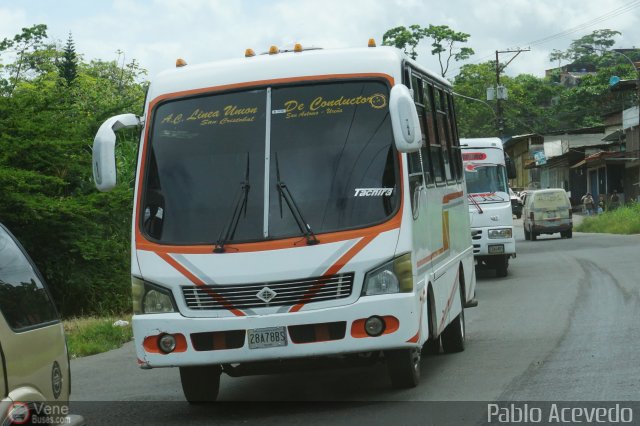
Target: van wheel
x=502 y=264
x=453 y=337
x=403 y=366
x=201 y=383
x=566 y=234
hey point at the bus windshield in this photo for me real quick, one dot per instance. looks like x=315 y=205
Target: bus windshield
x=212 y=155
x=486 y=179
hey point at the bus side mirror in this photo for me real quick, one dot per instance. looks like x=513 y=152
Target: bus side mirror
x=511 y=167
x=104 y=157
x=404 y=119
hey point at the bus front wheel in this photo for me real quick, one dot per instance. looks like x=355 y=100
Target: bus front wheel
x=403 y=366
x=200 y=384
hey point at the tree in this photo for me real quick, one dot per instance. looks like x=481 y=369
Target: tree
x=476 y=118
x=24 y=45
x=79 y=238
x=529 y=108
x=443 y=42
x=68 y=66
x=586 y=47
x=404 y=38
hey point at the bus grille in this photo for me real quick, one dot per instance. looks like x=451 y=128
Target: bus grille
x=476 y=234
x=282 y=293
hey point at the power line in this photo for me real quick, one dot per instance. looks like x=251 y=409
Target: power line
x=611 y=14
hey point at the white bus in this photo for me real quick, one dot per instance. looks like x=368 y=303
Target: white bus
x=487 y=171
x=287 y=206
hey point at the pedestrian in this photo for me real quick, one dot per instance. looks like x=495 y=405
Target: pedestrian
x=614 y=202
x=588 y=203
x=600 y=203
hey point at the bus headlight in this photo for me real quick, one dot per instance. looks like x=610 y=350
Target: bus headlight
x=395 y=276
x=150 y=299
x=500 y=233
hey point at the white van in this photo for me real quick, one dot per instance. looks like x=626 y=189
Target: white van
x=547 y=211
x=34 y=377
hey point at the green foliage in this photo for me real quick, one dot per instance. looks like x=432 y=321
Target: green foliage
x=443 y=42
x=476 y=118
x=583 y=49
x=90 y=336
x=78 y=238
x=68 y=67
x=29 y=48
x=404 y=39
x=529 y=108
x=624 y=220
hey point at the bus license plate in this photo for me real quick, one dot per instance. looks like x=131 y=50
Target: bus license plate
x=267 y=337
x=496 y=249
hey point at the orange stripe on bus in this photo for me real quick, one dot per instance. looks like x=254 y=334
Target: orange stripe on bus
x=450 y=197
x=197 y=281
x=333 y=269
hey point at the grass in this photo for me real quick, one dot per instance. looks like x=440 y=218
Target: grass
x=624 y=220
x=91 y=335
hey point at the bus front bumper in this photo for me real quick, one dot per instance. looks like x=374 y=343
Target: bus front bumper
x=312 y=333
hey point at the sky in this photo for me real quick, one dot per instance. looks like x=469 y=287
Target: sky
x=157 y=32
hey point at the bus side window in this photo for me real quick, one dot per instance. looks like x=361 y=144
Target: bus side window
x=424 y=150
x=452 y=141
x=444 y=133
x=435 y=149
x=456 y=155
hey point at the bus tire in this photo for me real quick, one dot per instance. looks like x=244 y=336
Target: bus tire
x=403 y=366
x=453 y=336
x=200 y=384
x=502 y=264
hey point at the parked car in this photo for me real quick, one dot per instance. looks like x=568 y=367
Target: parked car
x=33 y=351
x=516 y=204
x=547 y=211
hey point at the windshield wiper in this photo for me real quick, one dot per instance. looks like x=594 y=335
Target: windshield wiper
x=283 y=192
x=475 y=203
x=239 y=205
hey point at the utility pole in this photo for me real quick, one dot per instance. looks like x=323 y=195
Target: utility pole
x=500 y=96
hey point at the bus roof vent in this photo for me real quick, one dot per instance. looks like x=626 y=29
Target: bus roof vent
x=249 y=53
x=180 y=63
x=372 y=42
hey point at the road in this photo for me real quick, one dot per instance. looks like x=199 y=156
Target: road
x=563 y=325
